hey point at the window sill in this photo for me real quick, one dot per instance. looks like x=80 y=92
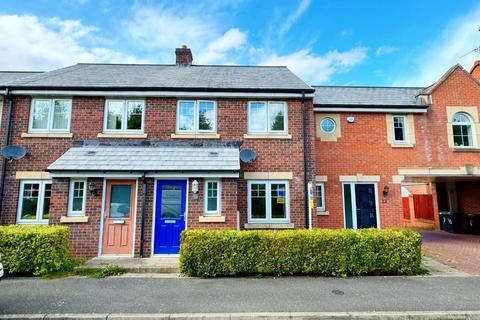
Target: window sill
x=402 y=145
x=269 y=226
x=207 y=219
x=32 y=222
x=465 y=149
x=73 y=219
x=47 y=135
x=268 y=136
x=323 y=213
x=122 y=135
x=195 y=136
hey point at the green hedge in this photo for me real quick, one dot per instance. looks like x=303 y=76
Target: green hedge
x=210 y=253
x=34 y=249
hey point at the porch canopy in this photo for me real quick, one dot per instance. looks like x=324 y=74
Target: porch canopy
x=154 y=159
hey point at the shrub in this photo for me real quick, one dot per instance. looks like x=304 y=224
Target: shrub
x=210 y=253
x=34 y=249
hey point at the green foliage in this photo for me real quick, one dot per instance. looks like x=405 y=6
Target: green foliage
x=210 y=253
x=99 y=273
x=34 y=249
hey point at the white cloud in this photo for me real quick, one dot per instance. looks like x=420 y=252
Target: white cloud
x=318 y=69
x=384 y=50
x=459 y=37
x=295 y=15
x=30 y=43
x=160 y=29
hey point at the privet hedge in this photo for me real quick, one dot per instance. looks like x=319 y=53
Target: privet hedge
x=34 y=249
x=210 y=253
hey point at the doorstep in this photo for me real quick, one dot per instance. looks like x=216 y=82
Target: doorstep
x=138 y=265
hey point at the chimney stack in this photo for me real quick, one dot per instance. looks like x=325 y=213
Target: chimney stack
x=475 y=71
x=183 y=56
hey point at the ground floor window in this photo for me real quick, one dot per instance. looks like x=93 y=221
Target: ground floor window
x=268 y=201
x=34 y=201
x=77 y=198
x=320 y=196
x=212 y=197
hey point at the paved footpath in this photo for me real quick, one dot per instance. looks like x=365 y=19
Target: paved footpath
x=192 y=295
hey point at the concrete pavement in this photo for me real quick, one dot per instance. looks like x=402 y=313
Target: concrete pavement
x=227 y=295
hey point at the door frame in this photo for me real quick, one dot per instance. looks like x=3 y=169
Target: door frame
x=154 y=219
x=102 y=216
x=354 y=202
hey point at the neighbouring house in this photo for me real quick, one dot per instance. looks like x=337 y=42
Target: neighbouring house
x=128 y=156
x=379 y=149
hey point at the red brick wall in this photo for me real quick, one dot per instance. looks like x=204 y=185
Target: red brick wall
x=468 y=195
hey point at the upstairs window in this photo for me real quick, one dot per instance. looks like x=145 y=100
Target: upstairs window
x=196 y=117
x=50 y=115
x=462 y=130
x=124 y=116
x=267 y=117
x=399 y=129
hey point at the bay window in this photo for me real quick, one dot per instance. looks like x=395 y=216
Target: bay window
x=48 y=115
x=268 y=201
x=196 y=116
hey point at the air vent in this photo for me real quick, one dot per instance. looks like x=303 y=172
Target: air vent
x=213 y=154
x=91 y=153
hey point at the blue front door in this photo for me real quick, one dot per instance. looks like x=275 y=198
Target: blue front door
x=169 y=216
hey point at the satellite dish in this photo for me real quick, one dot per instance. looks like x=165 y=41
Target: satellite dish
x=13 y=152
x=248 y=156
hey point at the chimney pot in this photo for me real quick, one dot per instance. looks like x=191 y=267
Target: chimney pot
x=183 y=56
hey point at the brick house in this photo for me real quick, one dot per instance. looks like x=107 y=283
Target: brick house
x=375 y=144
x=127 y=156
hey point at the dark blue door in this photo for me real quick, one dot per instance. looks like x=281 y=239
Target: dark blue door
x=169 y=216
x=366 y=206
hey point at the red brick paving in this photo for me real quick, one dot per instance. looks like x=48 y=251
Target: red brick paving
x=461 y=251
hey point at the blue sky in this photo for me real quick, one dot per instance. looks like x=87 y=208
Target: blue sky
x=328 y=42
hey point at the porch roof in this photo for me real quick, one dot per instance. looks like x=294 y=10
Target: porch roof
x=149 y=157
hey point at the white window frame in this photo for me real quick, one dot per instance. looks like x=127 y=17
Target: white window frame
x=50 y=115
x=267 y=118
x=472 y=129
x=196 y=113
x=71 y=212
x=41 y=199
x=322 y=186
x=219 y=199
x=334 y=125
x=268 y=189
x=124 y=129
x=405 y=129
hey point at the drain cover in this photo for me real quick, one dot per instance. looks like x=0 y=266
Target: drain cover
x=338 y=292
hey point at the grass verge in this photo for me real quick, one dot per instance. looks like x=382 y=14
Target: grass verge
x=75 y=268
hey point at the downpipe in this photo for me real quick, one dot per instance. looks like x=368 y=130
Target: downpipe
x=9 y=100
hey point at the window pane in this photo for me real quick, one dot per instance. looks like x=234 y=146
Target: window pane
x=120 y=201
x=258 y=114
x=399 y=128
x=61 y=114
x=114 y=115
x=186 y=113
x=258 y=201
x=41 y=109
x=171 y=202
x=462 y=135
x=212 y=196
x=319 y=196
x=78 y=192
x=328 y=125
x=30 y=201
x=278 y=201
x=46 y=201
x=134 y=115
x=206 y=116
x=277 y=117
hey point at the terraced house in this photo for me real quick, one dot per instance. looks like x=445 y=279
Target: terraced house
x=128 y=156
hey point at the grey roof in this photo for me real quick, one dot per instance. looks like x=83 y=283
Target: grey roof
x=6 y=77
x=168 y=77
x=367 y=96
x=148 y=158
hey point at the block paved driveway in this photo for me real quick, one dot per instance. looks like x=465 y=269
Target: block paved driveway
x=461 y=251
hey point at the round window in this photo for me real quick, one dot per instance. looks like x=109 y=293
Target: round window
x=328 y=125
